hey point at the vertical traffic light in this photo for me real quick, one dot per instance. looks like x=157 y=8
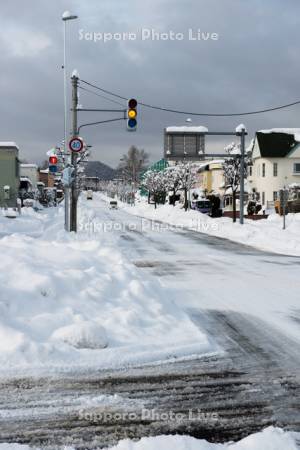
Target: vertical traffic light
x=53 y=160
x=131 y=114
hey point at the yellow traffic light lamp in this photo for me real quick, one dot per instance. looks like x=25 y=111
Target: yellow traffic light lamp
x=131 y=114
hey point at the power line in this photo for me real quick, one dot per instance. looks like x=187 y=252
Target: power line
x=102 y=96
x=188 y=113
x=104 y=90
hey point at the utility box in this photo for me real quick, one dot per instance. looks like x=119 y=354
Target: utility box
x=9 y=174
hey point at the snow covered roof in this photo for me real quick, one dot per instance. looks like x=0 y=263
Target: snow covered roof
x=216 y=161
x=277 y=142
x=186 y=129
x=293 y=131
x=25 y=179
x=8 y=145
x=29 y=166
x=44 y=171
x=208 y=163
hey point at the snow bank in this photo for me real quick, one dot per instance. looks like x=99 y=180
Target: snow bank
x=265 y=234
x=70 y=301
x=269 y=439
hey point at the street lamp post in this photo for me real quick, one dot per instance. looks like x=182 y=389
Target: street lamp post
x=67 y=16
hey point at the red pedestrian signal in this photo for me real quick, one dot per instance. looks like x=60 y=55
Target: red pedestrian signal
x=53 y=160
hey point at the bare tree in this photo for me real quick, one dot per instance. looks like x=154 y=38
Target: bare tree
x=232 y=172
x=133 y=164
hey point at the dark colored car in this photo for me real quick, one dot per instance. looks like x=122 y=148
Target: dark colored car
x=203 y=206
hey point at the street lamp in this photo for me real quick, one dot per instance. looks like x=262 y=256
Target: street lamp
x=67 y=16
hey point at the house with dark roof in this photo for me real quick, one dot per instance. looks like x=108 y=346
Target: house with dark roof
x=276 y=163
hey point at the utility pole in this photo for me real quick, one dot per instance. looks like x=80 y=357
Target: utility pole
x=66 y=17
x=242 y=176
x=74 y=191
x=66 y=189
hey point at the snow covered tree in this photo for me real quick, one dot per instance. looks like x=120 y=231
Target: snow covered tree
x=232 y=172
x=172 y=180
x=187 y=179
x=155 y=183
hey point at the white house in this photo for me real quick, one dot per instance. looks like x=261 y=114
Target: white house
x=276 y=163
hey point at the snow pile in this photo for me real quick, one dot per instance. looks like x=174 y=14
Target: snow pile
x=82 y=335
x=240 y=128
x=76 y=301
x=265 y=234
x=269 y=439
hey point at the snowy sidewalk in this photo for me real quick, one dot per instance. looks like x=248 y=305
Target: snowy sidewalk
x=266 y=234
x=75 y=301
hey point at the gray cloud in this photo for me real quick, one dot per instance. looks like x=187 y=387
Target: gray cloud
x=254 y=64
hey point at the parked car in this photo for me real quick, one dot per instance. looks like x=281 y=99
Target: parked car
x=113 y=204
x=202 y=206
x=89 y=194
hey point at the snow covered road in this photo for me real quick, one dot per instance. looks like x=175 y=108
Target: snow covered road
x=244 y=300
x=208 y=272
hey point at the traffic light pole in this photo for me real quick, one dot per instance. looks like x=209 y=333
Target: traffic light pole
x=130 y=115
x=74 y=193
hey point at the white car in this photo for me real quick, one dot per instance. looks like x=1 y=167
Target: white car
x=113 y=204
x=89 y=194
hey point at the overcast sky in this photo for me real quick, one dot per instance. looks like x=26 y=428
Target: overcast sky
x=255 y=63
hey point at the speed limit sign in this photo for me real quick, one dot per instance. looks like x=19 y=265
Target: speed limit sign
x=76 y=145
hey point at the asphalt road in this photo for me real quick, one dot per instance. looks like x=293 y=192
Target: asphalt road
x=252 y=384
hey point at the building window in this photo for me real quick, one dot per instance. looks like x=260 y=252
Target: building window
x=17 y=167
x=275 y=169
x=263 y=169
x=263 y=197
x=275 y=196
x=258 y=170
x=297 y=168
x=250 y=171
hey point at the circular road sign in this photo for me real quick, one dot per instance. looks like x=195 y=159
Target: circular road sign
x=76 y=145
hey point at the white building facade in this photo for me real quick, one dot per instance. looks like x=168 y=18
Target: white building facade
x=276 y=163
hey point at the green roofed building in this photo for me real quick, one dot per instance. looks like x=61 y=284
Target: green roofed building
x=158 y=166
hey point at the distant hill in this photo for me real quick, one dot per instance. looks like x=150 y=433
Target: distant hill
x=99 y=170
